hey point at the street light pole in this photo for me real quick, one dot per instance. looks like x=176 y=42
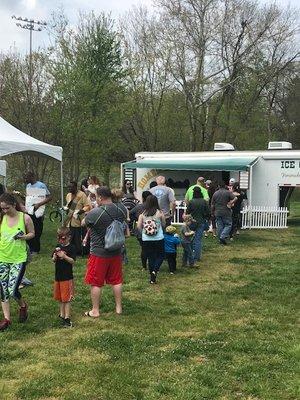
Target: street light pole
x=37 y=26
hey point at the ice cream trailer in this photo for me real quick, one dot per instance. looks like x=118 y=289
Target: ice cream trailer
x=268 y=176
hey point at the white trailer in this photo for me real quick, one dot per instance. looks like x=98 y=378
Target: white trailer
x=268 y=176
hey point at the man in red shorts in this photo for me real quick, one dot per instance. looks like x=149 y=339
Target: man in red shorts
x=104 y=266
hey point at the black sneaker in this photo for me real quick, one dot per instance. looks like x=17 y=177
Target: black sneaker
x=153 y=277
x=223 y=242
x=67 y=323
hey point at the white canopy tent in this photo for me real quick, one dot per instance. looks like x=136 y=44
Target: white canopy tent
x=3 y=168
x=12 y=140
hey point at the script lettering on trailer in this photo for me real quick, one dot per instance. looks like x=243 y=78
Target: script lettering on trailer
x=145 y=179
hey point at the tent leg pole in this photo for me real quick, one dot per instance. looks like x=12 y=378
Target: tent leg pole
x=62 y=188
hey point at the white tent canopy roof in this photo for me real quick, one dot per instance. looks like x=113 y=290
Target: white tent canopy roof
x=12 y=140
x=2 y=168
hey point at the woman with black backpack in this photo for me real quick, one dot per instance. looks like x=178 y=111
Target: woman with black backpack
x=151 y=223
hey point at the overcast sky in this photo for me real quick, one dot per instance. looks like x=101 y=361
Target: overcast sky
x=12 y=37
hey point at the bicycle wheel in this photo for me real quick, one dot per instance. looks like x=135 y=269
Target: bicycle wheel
x=55 y=216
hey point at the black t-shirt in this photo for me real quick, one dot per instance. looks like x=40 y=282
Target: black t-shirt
x=63 y=269
x=236 y=209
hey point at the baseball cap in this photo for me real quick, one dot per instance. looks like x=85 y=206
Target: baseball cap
x=231 y=180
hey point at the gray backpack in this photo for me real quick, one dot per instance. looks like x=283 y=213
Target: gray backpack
x=114 y=238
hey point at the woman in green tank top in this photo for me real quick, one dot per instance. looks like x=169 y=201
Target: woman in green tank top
x=15 y=228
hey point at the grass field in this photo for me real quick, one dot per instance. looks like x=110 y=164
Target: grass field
x=226 y=330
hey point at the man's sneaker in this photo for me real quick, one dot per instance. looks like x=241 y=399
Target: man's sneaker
x=23 y=313
x=4 y=324
x=223 y=242
x=67 y=323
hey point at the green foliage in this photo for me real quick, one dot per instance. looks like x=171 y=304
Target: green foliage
x=177 y=80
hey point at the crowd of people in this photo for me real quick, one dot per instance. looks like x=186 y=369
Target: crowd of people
x=97 y=221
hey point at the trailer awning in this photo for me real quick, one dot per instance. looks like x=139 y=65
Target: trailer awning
x=203 y=164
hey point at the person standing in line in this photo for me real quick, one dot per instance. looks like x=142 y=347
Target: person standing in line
x=200 y=212
x=151 y=223
x=64 y=258
x=15 y=229
x=165 y=197
x=187 y=236
x=221 y=204
x=134 y=216
x=78 y=204
x=171 y=242
x=236 y=209
x=37 y=196
x=190 y=192
x=211 y=190
x=104 y=266
x=230 y=184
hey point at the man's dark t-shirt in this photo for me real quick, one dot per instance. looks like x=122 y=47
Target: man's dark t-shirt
x=136 y=211
x=63 y=269
x=219 y=202
x=98 y=220
x=199 y=209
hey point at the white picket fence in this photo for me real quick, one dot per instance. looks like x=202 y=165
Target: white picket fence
x=179 y=210
x=264 y=217
x=252 y=217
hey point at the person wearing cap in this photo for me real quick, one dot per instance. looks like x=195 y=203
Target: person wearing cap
x=221 y=204
x=231 y=183
x=171 y=242
x=208 y=183
x=201 y=184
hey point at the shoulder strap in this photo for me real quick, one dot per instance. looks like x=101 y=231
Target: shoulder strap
x=118 y=209
x=100 y=215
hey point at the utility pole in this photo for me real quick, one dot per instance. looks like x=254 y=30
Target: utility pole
x=37 y=26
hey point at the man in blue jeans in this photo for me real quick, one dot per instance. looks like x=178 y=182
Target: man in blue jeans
x=221 y=204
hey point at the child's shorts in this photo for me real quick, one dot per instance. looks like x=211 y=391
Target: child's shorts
x=64 y=291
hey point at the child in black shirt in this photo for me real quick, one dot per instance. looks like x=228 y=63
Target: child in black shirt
x=64 y=257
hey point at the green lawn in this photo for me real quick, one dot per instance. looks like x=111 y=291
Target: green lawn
x=226 y=330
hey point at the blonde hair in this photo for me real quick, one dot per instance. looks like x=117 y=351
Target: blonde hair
x=116 y=195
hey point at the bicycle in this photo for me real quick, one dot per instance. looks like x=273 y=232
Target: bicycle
x=58 y=214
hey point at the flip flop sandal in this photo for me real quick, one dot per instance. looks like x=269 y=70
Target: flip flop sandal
x=87 y=314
